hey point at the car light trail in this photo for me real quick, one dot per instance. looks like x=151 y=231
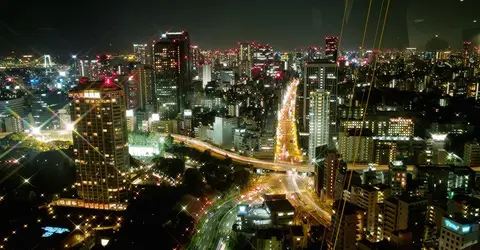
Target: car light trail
x=286 y=144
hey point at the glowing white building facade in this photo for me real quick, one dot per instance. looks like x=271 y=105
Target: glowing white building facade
x=319 y=121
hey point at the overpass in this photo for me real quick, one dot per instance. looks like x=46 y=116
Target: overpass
x=282 y=166
x=62 y=135
x=276 y=166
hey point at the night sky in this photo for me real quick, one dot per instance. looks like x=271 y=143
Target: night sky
x=83 y=26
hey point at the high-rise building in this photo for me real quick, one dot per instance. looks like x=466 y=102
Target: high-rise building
x=319 y=75
x=397 y=177
x=132 y=91
x=442 y=181
x=333 y=162
x=459 y=233
x=382 y=126
x=223 y=131
x=471 y=154
x=206 y=75
x=245 y=58
x=140 y=52
x=319 y=122
x=143 y=75
x=347 y=226
x=196 y=57
x=172 y=72
x=355 y=147
x=369 y=197
x=262 y=56
x=11 y=113
x=404 y=213
x=331 y=48
x=100 y=146
x=467 y=48
x=464 y=205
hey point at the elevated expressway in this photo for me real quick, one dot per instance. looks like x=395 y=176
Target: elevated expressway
x=270 y=165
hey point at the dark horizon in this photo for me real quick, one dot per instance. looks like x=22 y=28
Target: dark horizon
x=93 y=27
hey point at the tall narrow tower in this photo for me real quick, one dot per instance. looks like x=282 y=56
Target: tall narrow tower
x=172 y=72
x=319 y=122
x=140 y=52
x=100 y=146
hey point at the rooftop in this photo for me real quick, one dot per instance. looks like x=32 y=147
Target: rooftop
x=350 y=208
x=365 y=132
x=269 y=233
x=460 y=219
x=385 y=244
x=372 y=188
x=271 y=197
x=108 y=85
x=407 y=199
x=321 y=61
x=466 y=200
x=439 y=168
x=279 y=206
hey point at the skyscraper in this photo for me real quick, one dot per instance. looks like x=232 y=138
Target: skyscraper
x=140 y=52
x=333 y=162
x=331 y=48
x=319 y=121
x=206 y=75
x=143 y=75
x=100 y=148
x=319 y=75
x=196 y=57
x=172 y=72
x=245 y=58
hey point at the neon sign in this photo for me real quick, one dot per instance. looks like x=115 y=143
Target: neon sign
x=95 y=95
x=452 y=225
x=465 y=229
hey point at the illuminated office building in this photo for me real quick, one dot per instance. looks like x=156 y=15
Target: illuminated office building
x=262 y=56
x=206 y=75
x=140 y=52
x=196 y=57
x=100 y=146
x=404 y=214
x=172 y=72
x=245 y=55
x=319 y=75
x=397 y=177
x=331 y=166
x=331 y=48
x=347 y=226
x=459 y=233
x=471 y=154
x=355 y=147
x=143 y=75
x=319 y=122
x=368 y=197
x=11 y=114
x=383 y=126
x=464 y=205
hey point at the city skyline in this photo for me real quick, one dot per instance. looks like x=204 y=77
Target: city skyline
x=144 y=132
